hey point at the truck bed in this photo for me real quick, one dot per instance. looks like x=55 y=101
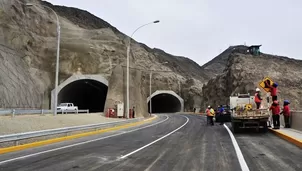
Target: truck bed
x=251 y=114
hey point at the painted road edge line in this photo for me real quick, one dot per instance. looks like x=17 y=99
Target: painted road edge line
x=59 y=139
x=145 y=146
x=77 y=144
x=287 y=137
x=239 y=154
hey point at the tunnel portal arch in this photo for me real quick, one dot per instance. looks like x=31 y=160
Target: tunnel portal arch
x=85 y=91
x=165 y=101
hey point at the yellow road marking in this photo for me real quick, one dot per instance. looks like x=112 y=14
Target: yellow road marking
x=54 y=140
x=288 y=138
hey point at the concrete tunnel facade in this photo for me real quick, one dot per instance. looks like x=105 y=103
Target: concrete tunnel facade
x=84 y=91
x=165 y=101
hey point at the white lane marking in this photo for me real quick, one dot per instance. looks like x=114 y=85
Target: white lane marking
x=239 y=154
x=77 y=144
x=135 y=151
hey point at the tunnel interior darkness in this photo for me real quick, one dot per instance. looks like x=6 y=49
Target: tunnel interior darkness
x=164 y=103
x=86 y=94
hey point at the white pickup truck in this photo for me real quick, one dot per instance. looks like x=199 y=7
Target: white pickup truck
x=67 y=107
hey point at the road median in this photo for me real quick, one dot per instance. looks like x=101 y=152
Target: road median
x=74 y=136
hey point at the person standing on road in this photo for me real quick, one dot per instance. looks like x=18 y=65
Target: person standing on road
x=286 y=113
x=221 y=116
x=275 y=108
x=258 y=98
x=210 y=115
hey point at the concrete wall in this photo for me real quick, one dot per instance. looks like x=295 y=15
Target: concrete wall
x=117 y=90
x=296 y=120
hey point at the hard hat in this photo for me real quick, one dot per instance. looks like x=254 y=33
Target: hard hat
x=275 y=84
x=209 y=106
x=286 y=101
x=257 y=89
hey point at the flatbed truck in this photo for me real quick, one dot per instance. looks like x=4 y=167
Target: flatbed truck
x=245 y=115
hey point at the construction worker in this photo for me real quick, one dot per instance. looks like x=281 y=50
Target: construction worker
x=210 y=115
x=221 y=116
x=286 y=113
x=258 y=98
x=275 y=108
x=273 y=89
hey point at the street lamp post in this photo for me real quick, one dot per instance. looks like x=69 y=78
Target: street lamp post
x=128 y=63
x=58 y=55
x=150 y=87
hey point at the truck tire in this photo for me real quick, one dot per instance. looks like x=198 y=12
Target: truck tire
x=265 y=127
x=235 y=127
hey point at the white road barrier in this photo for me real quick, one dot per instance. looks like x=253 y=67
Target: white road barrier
x=14 y=112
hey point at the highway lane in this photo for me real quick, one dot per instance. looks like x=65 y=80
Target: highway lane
x=177 y=142
x=87 y=156
x=194 y=146
x=269 y=152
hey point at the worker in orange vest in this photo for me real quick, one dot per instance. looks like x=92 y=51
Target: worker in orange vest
x=257 y=98
x=210 y=115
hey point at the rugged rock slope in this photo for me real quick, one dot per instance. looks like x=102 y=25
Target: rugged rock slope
x=89 y=45
x=243 y=73
x=16 y=84
x=217 y=65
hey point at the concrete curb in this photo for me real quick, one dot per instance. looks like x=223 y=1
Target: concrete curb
x=55 y=140
x=287 y=137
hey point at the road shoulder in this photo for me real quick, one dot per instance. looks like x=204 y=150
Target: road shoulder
x=74 y=136
x=290 y=135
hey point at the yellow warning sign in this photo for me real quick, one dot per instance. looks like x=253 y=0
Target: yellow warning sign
x=263 y=85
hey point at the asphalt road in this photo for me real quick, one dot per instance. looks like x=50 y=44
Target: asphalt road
x=173 y=142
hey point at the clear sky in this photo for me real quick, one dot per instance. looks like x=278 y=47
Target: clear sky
x=201 y=29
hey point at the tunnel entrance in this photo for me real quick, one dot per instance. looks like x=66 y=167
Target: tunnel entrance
x=165 y=102
x=85 y=93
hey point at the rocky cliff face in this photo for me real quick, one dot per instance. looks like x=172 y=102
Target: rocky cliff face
x=217 y=65
x=89 y=45
x=17 y=88
x=243 y=73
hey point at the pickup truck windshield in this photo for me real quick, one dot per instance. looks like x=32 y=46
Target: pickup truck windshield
x=63 y=104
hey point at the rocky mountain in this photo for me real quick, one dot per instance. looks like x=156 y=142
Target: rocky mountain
x=217 y=65
x=89 y=45
x=243 y=72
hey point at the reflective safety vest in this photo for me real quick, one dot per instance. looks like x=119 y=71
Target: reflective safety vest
x=256 y=98
x=210 y=112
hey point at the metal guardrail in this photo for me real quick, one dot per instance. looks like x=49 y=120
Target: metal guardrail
x=26 y=135
x=38 y=111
